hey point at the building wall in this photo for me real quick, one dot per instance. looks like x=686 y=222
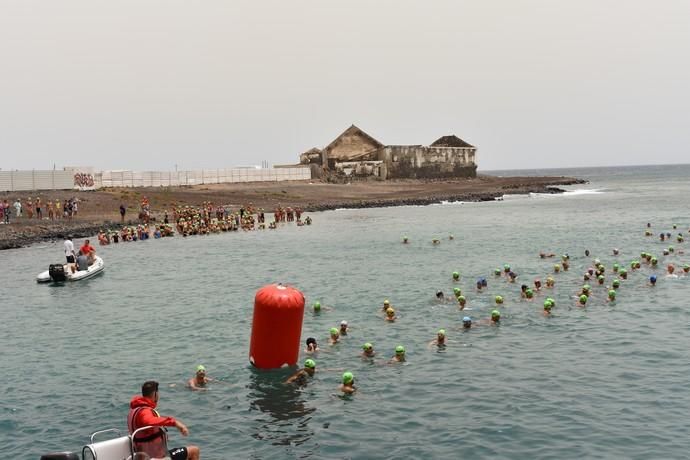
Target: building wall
x=350 y=145
x=418 y=162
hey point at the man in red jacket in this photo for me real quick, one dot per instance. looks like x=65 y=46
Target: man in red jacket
x=153 y=441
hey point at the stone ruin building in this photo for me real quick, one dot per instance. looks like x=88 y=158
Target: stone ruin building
x=356 y=153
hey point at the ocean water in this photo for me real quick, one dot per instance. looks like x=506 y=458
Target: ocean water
x=606 y=381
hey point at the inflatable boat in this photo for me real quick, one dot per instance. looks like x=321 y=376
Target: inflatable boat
x=57 y=273
x=116 y=447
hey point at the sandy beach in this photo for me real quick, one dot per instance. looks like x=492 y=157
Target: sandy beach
x=99 y=209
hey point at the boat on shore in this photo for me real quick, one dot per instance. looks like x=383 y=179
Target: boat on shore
x=58 y=273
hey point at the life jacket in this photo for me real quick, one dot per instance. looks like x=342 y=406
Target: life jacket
x=153 y=441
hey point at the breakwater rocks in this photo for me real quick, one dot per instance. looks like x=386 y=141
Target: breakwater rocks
x=424 y=201
x=24 y=235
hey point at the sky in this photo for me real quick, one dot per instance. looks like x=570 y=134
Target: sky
x=155 y=85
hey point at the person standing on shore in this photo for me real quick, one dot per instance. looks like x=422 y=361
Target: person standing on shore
x=39 y=210
x=6 y=211
x=18 y=208
x=123 y=211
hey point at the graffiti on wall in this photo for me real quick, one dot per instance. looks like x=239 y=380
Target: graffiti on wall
x=83 y=181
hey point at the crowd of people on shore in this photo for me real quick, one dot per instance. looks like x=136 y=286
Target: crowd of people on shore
x=205 y=219
x=39 y=209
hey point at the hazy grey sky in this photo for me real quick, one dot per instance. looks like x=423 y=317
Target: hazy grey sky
x=136 y=84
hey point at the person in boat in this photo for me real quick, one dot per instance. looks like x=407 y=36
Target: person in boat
x=82 y=263
x=200 y=379
x=153 y=441
x=69 y=250
x=89 y=251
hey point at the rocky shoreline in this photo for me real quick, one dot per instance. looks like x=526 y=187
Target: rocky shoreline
x=25 y=234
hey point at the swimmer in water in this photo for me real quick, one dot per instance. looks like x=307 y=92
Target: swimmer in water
x=547 y=307
x=386 y=305
x=616 y=267
x=451 y=237
x=652 y=280
x=686 y=268
x=343 y=328
x=529 y=295
x=512 y=276
x=405 y=240
x=566 y=265
x=623 y=273
x=390 y=315
x=611 y=297
x=550 y=282
x=301 y=377
x=523 y=290
x=457 y=292
x=348 y=386
x=462 y=302
x=586 y=277
x=586 y=290
x=317 y=307
x=200 y=379
x=495 y=317
x=456 y=276
x=466 y=322
x=654 y=261
x=399 y=356
x=556 y=268
x=670 y=269
x=615 y=251
x=440 y=296
x=478 y=285
x=544 y=255
x=440 y=340
x=312 y=346
x=497 y=272
x=498 y=299
x=616 y=284
x=506 y=269
x=601 y=279
x=335 y=336
x=537 y=284
x=586 y=252
x=582 y=300
x=435 y=241
x=368 y=351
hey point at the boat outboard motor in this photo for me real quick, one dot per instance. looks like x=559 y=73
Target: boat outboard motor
x=57 y=272
x=60 y=456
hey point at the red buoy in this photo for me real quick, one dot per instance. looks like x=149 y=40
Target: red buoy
x=276 y=327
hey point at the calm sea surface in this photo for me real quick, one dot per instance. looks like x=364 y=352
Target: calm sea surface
x=608 y=381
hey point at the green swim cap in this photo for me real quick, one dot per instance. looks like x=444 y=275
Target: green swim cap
x=612 y=293
x=461 y=298
x=497 y=271
x=654 y=260
x=623 y=271
x=600 y=277
x=586 y=287
x=399 y=349
x=457 y=291
x=670 y=249
x=200 y=368
x=442 y=332
x=498 y=299
x=583 y=298
x=616 y=283
x=686 y=266
x=556 y=267
x=310 y=363
x=529 y=292
x=506 y=267
x=366 y=346
x=616 y=266
x=548 y=305
x=333 y=331
x=348 y=377
x=317 y=305
x=456 y=275
x=495 y=314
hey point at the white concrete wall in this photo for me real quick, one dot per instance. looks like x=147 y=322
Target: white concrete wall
x=206 y=176
x=13 y=181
